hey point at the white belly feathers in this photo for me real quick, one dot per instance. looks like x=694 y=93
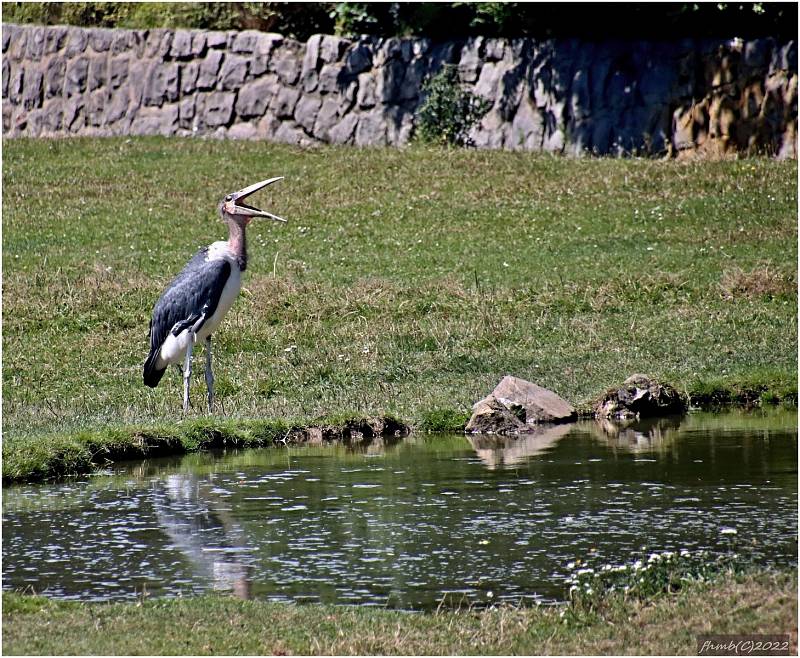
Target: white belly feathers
x=174 y=348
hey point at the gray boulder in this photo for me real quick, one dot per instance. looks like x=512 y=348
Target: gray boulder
x=186 y=112
x=470 y=62
x=306 y=112
x=74 y=116
x=53 y=77
x=32 y=90
x=181 y=47
x=8 y=31
x=209 y=67
x=311 y=57
x=77 y=41
x=327 y=117
x=246 y=42
x=254 y=98
x=218 y=109
x=6 y=74
x=284 y=103
x=342 y=132
x=216 y=39
x=156 y=121
x=233 y=73
x=100 y=39
x=371 y=130
x=639 y=397
x=98 y=73
x=198 y=44
x=329 y=78
x=515 y=406
x=161 y=85
x=490 y=416
x=77 y=72
x=331 y=48
x=358 y=60
x=189 y=73
x=14 y=89
x=288 y=68
x=117 y=107
x=35 y=44
x=52 y=114
x=54 y=39
x=119 y=72
x=242 y=131
x=366 y=90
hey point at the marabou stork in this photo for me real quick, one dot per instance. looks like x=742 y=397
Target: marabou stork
x=193 y=305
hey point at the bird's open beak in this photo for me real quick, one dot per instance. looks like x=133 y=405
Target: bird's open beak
x=250 y=211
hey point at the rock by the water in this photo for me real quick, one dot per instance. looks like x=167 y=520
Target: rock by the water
x=490 y=416
x=515 y=406
x=639 y=397
x=352 y=432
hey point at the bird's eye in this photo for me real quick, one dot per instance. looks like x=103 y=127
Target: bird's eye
x=229 y=197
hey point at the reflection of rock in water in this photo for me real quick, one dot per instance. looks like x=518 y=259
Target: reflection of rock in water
x=204 y=532
x=498 y=450
x=646 y=435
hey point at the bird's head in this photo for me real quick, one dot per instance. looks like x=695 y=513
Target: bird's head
x=233 y=208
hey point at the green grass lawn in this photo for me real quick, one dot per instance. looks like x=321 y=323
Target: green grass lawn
x=666 y=625
x=407 y=282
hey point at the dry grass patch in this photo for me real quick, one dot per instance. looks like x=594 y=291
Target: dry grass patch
x=765 y=281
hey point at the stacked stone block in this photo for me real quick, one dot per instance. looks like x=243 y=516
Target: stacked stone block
x=560 y=96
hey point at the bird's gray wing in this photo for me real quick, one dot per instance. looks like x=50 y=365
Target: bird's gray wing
x=192 y=295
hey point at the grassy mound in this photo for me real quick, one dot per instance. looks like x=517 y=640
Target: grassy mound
x=407 y=283
x=760 y=602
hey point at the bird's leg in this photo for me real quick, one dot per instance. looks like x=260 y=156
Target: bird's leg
x=187 y=364
x=187 y=373
x=209 y=376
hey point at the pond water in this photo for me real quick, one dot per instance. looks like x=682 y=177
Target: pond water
x=404 y=525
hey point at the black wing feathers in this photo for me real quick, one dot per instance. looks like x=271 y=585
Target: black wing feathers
x=194 y=292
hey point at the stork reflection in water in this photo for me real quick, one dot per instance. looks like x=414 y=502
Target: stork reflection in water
x=194 y=303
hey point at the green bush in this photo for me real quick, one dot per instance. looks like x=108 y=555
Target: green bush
x=448 y=112
x=298 y=20
x=439 y=21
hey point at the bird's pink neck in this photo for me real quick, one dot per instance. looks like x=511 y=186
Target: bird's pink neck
x=237 y=242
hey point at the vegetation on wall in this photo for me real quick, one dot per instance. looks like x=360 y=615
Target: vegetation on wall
x=298 y=19
x=436 y=20
x=448 y=111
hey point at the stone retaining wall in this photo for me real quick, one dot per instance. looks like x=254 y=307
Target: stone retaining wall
x=560 y=96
